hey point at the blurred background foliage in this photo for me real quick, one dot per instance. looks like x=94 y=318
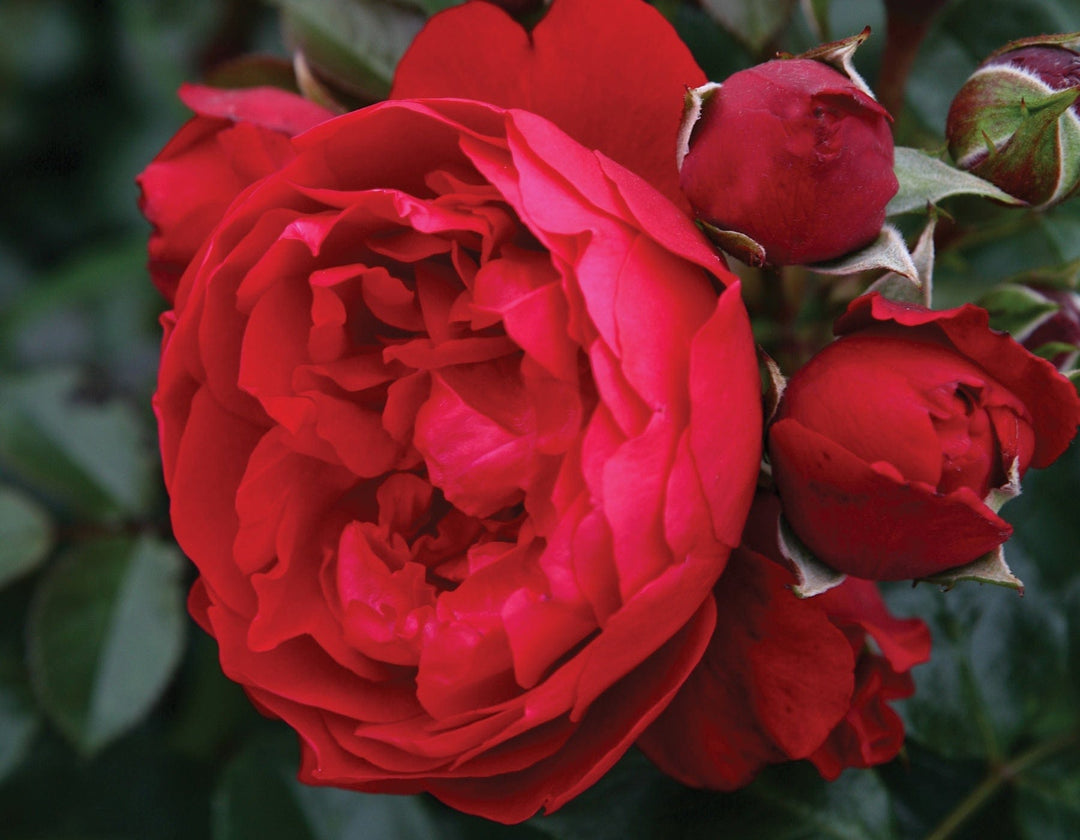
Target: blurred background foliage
x=115 y=721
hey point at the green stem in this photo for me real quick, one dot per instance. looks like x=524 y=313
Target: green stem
x=997 y=777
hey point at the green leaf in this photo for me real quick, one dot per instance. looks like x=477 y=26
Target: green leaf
x=26 y=534
x=353 y=44
x=1018 y=661
x=926 y=180
x=1061 y=226
x=431 y=7
x=333 y=814
x=947 y=713
x=1017 y=309
x=136 y=789
x=998 y=675
x=1047 y=803
x=793 y=803
x=1072 y=612
x=106 y=631
x=259 y=798
x=634 y=801
x=715 y=49
x=754 y=23
x=817 y=15
x=97 y=458
x=19 y=722
x=1044 y=516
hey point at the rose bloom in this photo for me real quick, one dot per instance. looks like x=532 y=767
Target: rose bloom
x=889 y=441
x=235 y=138
x=785 y=678
x=792 y=154
x=460 y=421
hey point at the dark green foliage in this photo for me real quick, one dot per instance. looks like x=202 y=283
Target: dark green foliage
x=115 y=721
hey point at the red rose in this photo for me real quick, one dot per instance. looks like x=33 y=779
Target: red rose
x=459 y=435
x=785 y=678
x=236 y=137
x=886 y=648
x=794 y=155
x=889 y=440
x=610 y=73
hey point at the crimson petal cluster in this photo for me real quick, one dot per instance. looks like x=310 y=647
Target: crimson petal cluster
x=888 y=443
x=459 y=434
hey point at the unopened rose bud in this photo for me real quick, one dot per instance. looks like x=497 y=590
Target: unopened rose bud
x=794 y=155
x=893 y=447
x=1057 y=335
x=1016 y=122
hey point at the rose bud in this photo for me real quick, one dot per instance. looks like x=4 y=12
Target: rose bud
x=888 y=442
x=795 y=155
x=235 y=137
x=1059 y=330
x=1044 y=318
x=1016 y=123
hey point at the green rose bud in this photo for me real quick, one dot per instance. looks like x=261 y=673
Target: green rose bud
x=1016 y=121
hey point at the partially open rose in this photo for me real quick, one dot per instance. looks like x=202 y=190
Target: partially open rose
x=889 y=441
x=459 y=421
x=235 y=138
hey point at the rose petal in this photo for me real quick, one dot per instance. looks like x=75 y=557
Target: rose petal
x=628 y=81
x=838 y=505
x=1051 y=399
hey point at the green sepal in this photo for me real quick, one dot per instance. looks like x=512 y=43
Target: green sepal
x=738 y=245
x=990 y=568
x=899 y=287
x=812 y=576
x=887 y=252
x=1017 y=309
x=1044 y=150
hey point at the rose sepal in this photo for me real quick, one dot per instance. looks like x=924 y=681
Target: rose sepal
x=900 y=287
x=776 y=383
x=840 y=54
x=888 y=252
x=812 y=577
x=738 y=245
x=1064 y=40
x=990 y=568
x=1041 y=130
x=693 y=104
